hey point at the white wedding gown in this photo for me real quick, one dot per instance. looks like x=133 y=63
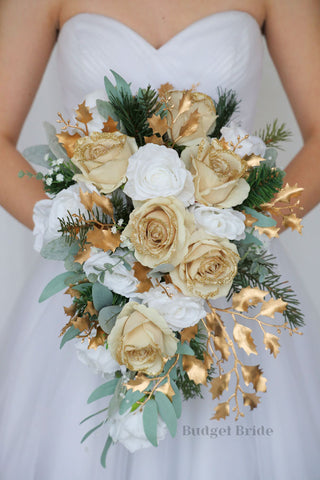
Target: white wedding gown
x=44 y=393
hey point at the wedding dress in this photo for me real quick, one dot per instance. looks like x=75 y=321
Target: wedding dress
x=44 y=394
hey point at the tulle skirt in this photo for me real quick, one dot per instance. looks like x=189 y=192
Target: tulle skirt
x=44 y=394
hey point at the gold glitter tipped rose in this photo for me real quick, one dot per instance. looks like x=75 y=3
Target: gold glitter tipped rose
x=160 y=230
x=217 y=174
x=208 y=268
x=141 y=339
x=103 y=159
x=192 y=116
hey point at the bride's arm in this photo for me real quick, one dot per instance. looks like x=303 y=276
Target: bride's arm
x=292 y=30
x=27 y=37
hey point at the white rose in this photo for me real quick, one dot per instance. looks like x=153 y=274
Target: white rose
x=46 y=214
x=128 y=430
x=177 y=309
x=99 y=359
x=96 y=124
x=227 y=223
x=119 y=280
x=154 y=171
x=247 y=146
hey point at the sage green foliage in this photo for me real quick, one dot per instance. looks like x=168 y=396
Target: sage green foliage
x=150 y=420
x=274 y=134
x=258 y=268
x=70 y=334
x=58 y=283
x=265 y=182
x=131 y=111
x=104 y=390
x=262 y=220
x=226 y=106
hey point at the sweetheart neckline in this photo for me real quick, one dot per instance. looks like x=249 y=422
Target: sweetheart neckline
x=172 y=39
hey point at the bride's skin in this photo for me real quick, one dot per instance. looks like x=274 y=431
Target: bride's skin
x=28 y=31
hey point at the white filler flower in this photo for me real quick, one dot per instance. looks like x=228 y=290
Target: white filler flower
x=220 y=222
x=178 y=310
x=247 y=146
x=116 y=276
x=128 y=430
x=157 y=171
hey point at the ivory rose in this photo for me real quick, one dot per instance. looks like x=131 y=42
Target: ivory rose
x=209 y=267
x=199 y=117
x=159 y=231
x=217 y=174
x=141 y=339
x=103 y=159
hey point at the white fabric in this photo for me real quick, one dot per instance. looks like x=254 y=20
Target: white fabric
x=44 y=394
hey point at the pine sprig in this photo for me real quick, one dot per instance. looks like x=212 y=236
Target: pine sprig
x=74 y=228
x=226 y=106
x=265 y=181
x=273 y=134
x=257 y=268
x=133 y=112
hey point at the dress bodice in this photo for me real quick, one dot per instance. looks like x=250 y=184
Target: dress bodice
x=222 y=50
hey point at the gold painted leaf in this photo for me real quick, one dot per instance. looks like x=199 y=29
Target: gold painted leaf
x=104 y=203
x=188 y=333
x=195 y=369
x=191 y=125
x=222 y=346
x=272 y=306
x=222 y=411
x=185 y=102
x=287 y=193
x=242 y=336
x=272 y=343
x=83 y=255
x=65 y=328
x=83 y=114
x=98 y=340
x=70 y=311
x=214 y=321
x=250 y=219
x=254 y=161
x=207 y=360
x=271 y=232
x=247 y=297
x=166 y=389
x=139 y=383
x=86 y=200
x=158 y=124
x=68 y=141
x=82 y=323
x=104 y=239
x=90 y=309
x=164 y=89
x=110 y=126
x=253 y=374
x=250 y=400
x=154 y=139
x=293 y=222
x=219 y=385
x=73 y=293
x=141 y=274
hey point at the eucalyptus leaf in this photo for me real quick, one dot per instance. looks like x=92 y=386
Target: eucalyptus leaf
x=57 y=284
x=36 y=155
x=150 y=421
x=184 y=349
x=91 y=431
x=250 y=238
x=271 y=155
x=54 y=145
x=107 y=317
x=176 y=399
x=82 y=287
x=262 y=220
x=104 y=390
x=121 y=84
x=130 y=398
x=93 y=415
x=71 y=333
x=57 y=249
x=164 y=268
x=106 y=110
x=107 y=445
x=101 y=296
x=167 y=412
x=71 y=265
x=117 y=398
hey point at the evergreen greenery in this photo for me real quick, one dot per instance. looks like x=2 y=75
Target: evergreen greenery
x=226 y=106
x=257 y=268
x=273 y=134
x=265 y=181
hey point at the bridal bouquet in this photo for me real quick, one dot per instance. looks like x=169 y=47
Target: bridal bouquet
x=160 y=209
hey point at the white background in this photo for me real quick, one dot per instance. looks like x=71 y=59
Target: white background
x=17 y=258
